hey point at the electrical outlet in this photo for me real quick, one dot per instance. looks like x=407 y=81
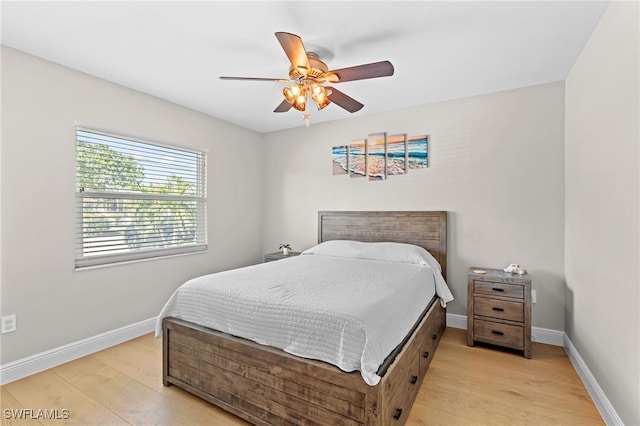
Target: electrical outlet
x=8 y=323
x=533 y=296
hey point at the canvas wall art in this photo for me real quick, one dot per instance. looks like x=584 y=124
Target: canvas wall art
x=396 y=155
x=376 y=156
x=340 y=156
x=358 y=158
x=380 y=156
x=417 y=152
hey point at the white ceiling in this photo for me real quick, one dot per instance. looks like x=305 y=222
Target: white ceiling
x=177 y=50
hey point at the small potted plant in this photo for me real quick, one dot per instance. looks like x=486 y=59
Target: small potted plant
x=286 y=248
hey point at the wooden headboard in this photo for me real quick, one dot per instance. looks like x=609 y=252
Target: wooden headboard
x=426 y=229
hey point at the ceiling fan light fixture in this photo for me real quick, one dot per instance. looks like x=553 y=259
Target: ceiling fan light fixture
x=291 y=93
x=317 y=91
x=300 y=103
x=319 y=96
x=322 y=102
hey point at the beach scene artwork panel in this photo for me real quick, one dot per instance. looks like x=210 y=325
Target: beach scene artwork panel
x=340 y=155
x=376 y=156
x=397 y=154
x=418 y=152
x=358 y=158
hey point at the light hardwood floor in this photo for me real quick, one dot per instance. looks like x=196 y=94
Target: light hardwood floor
x=122 y=385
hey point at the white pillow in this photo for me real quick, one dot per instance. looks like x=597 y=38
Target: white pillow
x=390 y=252
x=385 y=251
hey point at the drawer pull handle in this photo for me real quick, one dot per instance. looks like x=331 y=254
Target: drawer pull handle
x=497 y=289
x=498 y=309
x=397 y=414
x=425 y=355
x=414 y=380
x=434 y=337
x=499 y=333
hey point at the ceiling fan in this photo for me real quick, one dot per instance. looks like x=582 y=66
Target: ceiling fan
x=308 y=74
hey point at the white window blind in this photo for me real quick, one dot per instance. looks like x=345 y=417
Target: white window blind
x=137 y=199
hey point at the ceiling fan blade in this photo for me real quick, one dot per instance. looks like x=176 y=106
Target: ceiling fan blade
x=277 y=80
x=360 y=72
x=293 y=47
x=344 y=101
x=283 y=107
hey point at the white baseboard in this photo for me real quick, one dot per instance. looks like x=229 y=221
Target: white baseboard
x=457 y=321
x=608 y=413
x=34 y=364
x=547 y=336
x=538 y=334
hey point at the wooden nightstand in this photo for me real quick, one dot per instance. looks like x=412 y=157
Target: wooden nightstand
x=270 y=257
x=499 y=309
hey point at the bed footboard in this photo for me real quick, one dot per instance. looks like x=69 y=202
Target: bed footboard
x=267 y=386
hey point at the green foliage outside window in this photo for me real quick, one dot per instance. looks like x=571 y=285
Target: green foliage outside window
x=144 y=222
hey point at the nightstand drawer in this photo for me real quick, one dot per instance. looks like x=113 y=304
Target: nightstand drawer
x=500 y=334
x=495 y=308
x=498 y=289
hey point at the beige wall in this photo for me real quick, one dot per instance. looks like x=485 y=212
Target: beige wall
x=602 y=213
x=54 y=304
x=497 y=165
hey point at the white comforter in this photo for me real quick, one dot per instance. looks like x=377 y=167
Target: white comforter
x=348 y=312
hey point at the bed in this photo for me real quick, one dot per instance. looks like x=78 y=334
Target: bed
x=269 y=386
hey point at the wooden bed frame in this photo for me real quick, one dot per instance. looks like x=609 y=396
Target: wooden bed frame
x=267 y=386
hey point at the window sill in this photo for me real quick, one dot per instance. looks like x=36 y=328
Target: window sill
x=152 y=256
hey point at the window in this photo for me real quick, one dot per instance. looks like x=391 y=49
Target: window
x=137 y=199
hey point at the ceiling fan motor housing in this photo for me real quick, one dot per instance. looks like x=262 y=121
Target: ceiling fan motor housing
x=317 y=71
